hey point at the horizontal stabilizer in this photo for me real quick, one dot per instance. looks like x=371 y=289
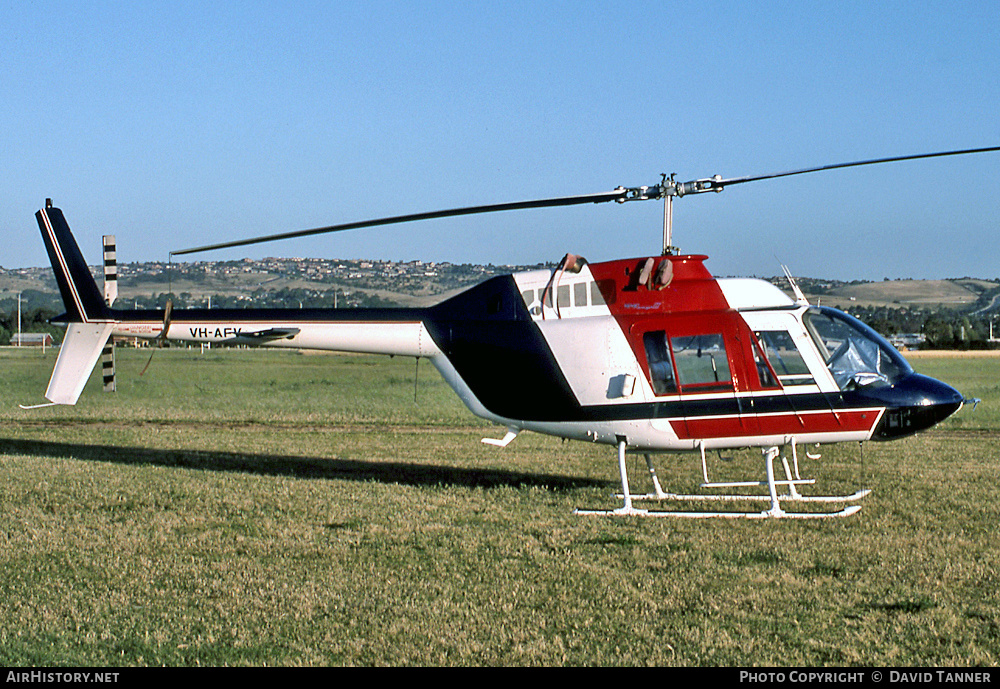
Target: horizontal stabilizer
x=78 y=355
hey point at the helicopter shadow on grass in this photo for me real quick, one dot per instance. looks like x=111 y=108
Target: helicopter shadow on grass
x=298 y=466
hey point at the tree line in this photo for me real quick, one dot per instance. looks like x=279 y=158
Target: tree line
x=36 y=312
x=942 y=328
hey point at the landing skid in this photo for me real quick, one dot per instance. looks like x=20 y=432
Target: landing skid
x=766 y=514
x=789 y=483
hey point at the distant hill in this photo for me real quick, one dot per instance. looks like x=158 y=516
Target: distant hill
x=417 y=283
x=960 y=293
x=267 y=282
x=955 y=313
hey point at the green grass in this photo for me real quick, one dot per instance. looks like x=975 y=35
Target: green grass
x=252 y=508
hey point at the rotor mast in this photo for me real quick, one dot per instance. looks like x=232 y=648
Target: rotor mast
x=668 y=225
x=667 y=189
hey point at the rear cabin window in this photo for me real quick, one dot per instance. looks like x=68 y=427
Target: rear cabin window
x=601 y=287
x=531 y=301
x=562 y=297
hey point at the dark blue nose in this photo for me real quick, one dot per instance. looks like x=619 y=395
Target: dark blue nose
x=912 y=404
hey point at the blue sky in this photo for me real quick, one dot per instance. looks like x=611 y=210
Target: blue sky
x=178 y=124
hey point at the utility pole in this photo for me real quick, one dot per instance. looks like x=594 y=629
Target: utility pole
x=18 y=319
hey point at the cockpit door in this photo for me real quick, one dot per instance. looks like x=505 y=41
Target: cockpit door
x=699 y=364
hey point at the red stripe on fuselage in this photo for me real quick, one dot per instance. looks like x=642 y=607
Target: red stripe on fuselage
x=750 y=425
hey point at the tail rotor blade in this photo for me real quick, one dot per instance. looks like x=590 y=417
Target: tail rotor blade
x=160 y=341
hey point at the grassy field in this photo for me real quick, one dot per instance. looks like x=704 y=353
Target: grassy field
x=252 y=508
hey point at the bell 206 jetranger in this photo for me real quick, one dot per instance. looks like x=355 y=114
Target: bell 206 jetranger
x=647 y=354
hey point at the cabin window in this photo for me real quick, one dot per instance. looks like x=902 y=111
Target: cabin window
x=661 y=371
x=764 y=373
x=701 y=361
x=580 y=294
x=534 y=308
x=562 y=296
x=596 y=296
x=785 y=358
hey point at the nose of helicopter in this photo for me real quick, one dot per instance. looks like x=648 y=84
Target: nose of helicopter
x=913 y=404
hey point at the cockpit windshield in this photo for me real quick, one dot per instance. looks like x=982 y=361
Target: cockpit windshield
x=856 y=355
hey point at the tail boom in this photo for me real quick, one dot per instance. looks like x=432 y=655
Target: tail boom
x=396 y=332
x=91 y=322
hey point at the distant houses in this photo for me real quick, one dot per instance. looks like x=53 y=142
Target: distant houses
x=907 y=340
x=31 y=340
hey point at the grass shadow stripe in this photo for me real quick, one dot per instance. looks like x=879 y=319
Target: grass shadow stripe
x=406 y=473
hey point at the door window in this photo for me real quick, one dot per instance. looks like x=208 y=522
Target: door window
x=785 y=358
x=701 y=361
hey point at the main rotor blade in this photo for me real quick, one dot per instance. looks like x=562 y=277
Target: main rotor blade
x=619 y=194
x=713 y=184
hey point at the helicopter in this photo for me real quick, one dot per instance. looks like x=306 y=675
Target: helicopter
x=650 y=354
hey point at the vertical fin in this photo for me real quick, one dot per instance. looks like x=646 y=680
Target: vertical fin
x=89 y=318
x=81 y=297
